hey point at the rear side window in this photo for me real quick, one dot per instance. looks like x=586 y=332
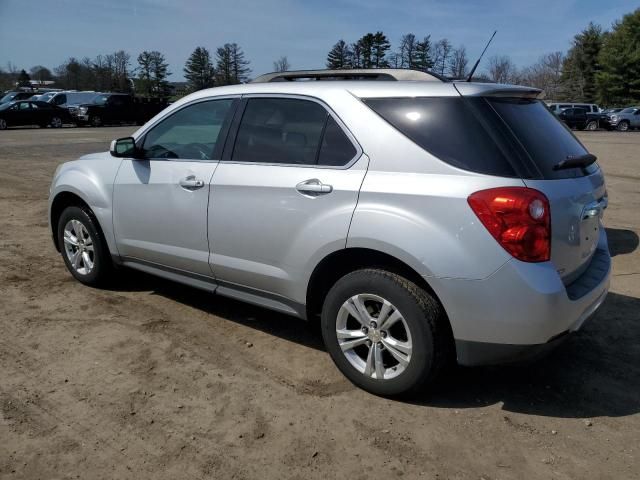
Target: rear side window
x=546 y=140
x=290 y=131
x=336 y=149
x=448 y=128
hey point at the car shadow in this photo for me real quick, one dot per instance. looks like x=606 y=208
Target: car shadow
x=267 y=321
x=622 y=241
x=596 y=372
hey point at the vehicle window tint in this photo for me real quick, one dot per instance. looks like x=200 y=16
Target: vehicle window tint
x=565 y=106
x=280 y=130
x=543 y=136
x=24 y=106
x=190 y=133
x=448 y=128
x=336 y=149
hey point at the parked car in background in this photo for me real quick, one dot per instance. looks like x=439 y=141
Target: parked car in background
x=117 y=108
x=609 y=111
x=623 y=120
x=558 y=107
x=580 y=119
x=413 y=241
x=27 y=112
x=14 y=96
x=72 y=100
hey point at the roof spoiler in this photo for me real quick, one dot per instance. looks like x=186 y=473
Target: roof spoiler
x=495 y=90
x=379 y=74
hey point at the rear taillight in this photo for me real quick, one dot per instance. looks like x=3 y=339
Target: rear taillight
x=518 y=218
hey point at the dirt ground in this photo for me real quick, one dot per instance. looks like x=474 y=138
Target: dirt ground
x=155 y=380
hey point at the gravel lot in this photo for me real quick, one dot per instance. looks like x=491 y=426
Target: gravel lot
x=155 y=380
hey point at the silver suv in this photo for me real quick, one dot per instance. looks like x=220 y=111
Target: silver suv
x=624 y=120
x=419 y=220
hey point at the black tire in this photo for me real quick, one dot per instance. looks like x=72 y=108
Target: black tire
x=428 y=327
x=95 y=121
x=623 y=126
x=591 y=126
x=102 y=268
x=56 y=122
x=3 y=124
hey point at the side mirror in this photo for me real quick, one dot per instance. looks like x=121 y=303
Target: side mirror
x=124 y=147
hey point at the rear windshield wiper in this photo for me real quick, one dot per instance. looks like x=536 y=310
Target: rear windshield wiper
x=576 y=161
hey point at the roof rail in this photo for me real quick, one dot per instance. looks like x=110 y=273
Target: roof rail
x=384 y=74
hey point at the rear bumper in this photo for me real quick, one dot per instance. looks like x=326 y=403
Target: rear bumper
x=522 y=310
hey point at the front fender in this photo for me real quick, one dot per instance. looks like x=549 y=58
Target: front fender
x=91 y=179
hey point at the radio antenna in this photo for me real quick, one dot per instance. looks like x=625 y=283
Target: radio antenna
x=473 y=70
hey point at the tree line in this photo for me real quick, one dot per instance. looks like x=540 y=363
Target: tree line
x=600 y=66
x=113 y=72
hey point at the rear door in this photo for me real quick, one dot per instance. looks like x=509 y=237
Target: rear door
x=577 y=196
x=284 y=194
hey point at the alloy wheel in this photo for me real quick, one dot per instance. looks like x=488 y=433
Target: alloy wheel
x=78 y=246
x=374 y=336
x=56 y=122
x=3 y=124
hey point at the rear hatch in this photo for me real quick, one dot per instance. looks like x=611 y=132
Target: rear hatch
x=577 y=195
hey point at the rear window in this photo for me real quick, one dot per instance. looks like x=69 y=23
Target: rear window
x=448 y=128
x=508 y=137
x=546 y=140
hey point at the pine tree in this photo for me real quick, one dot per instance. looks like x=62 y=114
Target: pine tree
x=231 y=67
x=24 y=80
x=365 y=46
x=581 y=65
x=340 y=56
x=159 y=72
x=618 y=81
x=424 y=58
x=380 y=47
x=199 y=70
x=144 y=72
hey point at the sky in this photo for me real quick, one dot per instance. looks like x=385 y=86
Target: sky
x=47 y=32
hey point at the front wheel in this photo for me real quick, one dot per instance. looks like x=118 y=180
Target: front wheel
x=3 y=124
x=385 y=334
x=95 y=121
x=83 y=247
x=623 y=126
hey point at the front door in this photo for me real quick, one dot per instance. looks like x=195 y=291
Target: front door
x=283 y=197
x=161 y=200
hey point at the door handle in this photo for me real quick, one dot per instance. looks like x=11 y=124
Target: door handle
x=313 y=187
x=191 y=183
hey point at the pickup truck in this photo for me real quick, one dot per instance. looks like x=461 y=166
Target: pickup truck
x=117 y=108
x=581 y=119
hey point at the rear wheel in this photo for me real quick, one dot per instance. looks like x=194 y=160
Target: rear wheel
x=56 y=122
x=592 y=125
x=83 y=247
x=384 y=333
x=3 y=124
x=623 y=126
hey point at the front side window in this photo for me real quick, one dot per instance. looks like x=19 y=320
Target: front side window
x=290 y=131
x=24 y=106
x=190 y=133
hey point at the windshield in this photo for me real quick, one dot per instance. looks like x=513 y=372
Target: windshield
x=100 y=99
x=4 y=106
x=80 y=97
x=8 y=97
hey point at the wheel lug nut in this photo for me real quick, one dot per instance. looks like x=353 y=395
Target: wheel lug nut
x=368 y=343
x=383 y=334
x=373 y=324
x=365 y=330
